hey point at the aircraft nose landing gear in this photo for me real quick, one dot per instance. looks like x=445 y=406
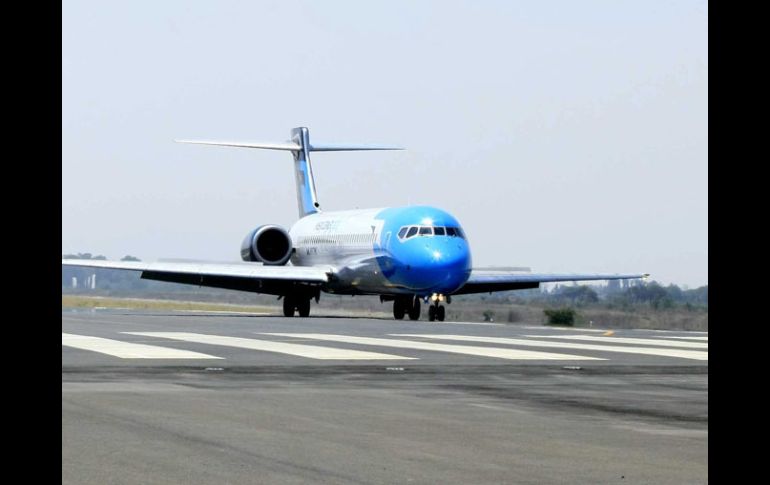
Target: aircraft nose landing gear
x=436 y=310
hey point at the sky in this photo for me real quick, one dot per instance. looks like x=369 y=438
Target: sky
x=564 y=136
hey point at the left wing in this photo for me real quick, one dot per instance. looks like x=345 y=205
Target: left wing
x=255 y=277
x=482 y=281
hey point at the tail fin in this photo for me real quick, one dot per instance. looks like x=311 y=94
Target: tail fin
x=300 y=148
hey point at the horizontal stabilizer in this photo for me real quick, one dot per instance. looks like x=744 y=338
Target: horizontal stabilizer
x=291 y=146
x=288 y=145
x=329 y=147
x=300 y=147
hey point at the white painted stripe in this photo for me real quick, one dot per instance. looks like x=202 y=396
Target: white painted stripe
x=676 y=331
x=309 y=351
x=625 y=340
x=684 y=354
x=127 y=350
x=224 y=312
x=467 y=323
x=559 y=329
x=688 y=338
x=512 y=354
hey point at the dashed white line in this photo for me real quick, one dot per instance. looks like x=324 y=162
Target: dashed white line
x=684 y=354
x=309 y=351
x=489 y=324
x=127 y=350
x=625 y=340
x=511 y=354
x=688 y=338
x=559 y=329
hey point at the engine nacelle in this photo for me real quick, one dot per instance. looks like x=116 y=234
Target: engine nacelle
x=268 y=244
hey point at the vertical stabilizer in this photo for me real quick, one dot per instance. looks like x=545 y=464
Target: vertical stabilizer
x=307 y=200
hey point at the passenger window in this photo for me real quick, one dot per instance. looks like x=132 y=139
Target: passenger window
x=402 y=232
x=412 y=232
x=426 y=231
x=439 y=231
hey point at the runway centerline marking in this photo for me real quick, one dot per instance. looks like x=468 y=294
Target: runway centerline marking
x=683 y=354
x=501 y=353
x=626 y=340
x=300 y=350
x=128 y=350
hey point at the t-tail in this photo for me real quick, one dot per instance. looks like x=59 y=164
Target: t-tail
x=300 y=148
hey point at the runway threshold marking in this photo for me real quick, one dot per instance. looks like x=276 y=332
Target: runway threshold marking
x=128 y=350
x=626 y=340
x=683 y=354
x=300 y=350
x=500 y=353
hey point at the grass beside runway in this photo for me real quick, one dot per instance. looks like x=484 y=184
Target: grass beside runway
x=99 y=302
x=80 y=301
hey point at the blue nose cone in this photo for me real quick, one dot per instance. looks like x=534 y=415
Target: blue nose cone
x=437 y=265
x=424 y=250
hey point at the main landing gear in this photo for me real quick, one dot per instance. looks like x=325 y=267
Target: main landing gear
x=406 y=305
x=403 y=305
x=299 y=302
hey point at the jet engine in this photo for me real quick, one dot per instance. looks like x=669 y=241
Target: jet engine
x=268 y=244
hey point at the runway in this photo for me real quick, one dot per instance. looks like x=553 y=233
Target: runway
x=237 y=398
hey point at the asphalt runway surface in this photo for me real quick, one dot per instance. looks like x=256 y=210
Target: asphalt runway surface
x=190 y=397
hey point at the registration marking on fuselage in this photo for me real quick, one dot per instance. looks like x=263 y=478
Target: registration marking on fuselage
x=683 y=354
x=500 y=353
x=128 y=350
x=300 y=350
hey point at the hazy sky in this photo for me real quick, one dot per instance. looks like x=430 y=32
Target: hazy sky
x=565 y=136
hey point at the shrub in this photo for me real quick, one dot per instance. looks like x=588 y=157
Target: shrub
x=560 y=316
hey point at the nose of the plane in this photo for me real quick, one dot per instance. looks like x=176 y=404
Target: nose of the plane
x=444 y=264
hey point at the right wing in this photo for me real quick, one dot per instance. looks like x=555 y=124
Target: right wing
x=481 y=281
x=254 y=277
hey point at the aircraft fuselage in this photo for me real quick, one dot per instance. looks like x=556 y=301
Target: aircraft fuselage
x=400 y=250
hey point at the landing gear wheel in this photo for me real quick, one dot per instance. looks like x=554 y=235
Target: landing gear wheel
x=440 y=313
x=303 y=307
x=288 y=306
x=414 y=311
x=431 y=313
x=399 y=309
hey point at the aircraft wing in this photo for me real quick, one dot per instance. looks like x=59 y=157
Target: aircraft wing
x=488 y=281
x=255 y=277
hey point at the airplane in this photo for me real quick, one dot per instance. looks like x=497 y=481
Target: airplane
x=405 y=255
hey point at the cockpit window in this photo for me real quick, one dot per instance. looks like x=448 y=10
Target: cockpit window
x=408 y=232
